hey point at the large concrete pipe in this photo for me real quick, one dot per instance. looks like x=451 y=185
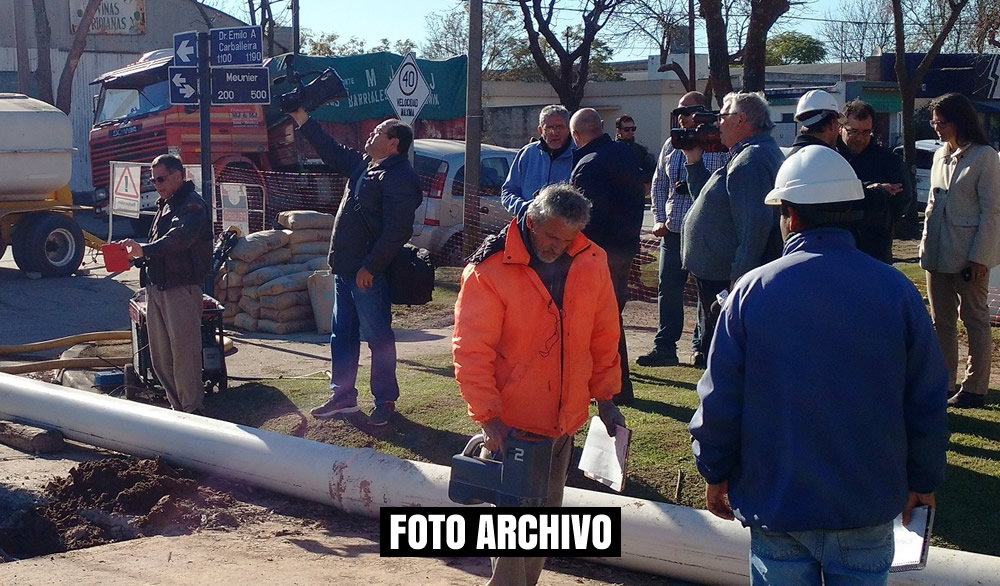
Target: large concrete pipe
x=656 y=537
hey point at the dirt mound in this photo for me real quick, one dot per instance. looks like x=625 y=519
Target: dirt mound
x=114 y=499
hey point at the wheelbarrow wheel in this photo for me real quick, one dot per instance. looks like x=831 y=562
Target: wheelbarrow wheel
x=132 y=382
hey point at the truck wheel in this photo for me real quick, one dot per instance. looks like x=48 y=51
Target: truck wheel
x=18 y=244
x=53 y=245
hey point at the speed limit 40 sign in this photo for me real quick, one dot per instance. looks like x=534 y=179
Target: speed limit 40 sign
x=408 y=91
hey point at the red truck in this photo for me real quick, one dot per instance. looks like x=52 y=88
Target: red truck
x=134 y=121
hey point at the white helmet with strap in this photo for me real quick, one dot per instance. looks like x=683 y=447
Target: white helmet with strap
x=814 y=105
x=814 y=175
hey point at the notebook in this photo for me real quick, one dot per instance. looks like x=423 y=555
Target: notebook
x=913 y=540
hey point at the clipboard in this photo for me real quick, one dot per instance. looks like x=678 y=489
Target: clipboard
x=115 y=258
x=912 y=541
x=605 y=458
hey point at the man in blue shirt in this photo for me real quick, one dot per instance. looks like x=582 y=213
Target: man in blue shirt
x=822 y=412
x=540 y=163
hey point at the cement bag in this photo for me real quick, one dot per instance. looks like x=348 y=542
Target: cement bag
x=250 y=292
x=316 y=248
x=320 y=263
x=274 y=327
x=311 y=259
x=288 y=314
x=233 y=294
x=237 y=266
x=245 y=322
x=321 y=298
x=263 y=275
x=305 y=220
x=275 y=257
x=232 y=280
x=254 y=245
x=293 y=282
x=285 y=300
x=251 y=306
x=230 y=310
x=298 y=236
x=229 y=321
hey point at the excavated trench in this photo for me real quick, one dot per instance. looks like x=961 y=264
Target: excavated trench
x=110 y=500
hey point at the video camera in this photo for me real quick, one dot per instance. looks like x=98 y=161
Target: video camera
x=325 y=87
x=705 y=133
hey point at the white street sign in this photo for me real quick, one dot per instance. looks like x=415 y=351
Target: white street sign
x=125 y=188
x=408 y=91
x=235 y=210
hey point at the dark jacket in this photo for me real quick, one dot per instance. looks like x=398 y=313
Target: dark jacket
x=646 y=161
x=389 y=195
x=802 y=140
x=878 y=165
x=606 y=173
x=180 y=241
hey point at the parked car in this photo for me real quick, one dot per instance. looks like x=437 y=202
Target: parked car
x=924 y=159
x=439 y=220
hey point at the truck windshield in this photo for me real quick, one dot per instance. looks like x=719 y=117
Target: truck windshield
x=118 y=104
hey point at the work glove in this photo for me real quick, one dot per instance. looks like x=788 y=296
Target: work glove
x=610 y=416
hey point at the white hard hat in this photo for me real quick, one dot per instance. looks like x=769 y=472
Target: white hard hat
x=815 y=174
x=817 y=103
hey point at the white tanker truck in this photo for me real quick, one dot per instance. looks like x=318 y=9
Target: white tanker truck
x=36 y=205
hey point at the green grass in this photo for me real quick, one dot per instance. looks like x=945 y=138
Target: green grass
x=432 y=425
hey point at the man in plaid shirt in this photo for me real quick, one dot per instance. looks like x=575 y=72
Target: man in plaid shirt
x=671 y=201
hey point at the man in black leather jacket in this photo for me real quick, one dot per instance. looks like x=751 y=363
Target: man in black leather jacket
x=174 y=266
x=382 y=194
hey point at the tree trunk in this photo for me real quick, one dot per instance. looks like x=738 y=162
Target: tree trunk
x=763 y=15
x=718 y=47
x=64 y=97
x=43 y=70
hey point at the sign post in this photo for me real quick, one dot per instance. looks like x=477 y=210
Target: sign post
x=235 y=210
x=408 y=91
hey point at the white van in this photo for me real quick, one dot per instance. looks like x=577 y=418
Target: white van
x=440 y=163
x=924 y=159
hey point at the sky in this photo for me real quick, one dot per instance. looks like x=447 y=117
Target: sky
x=400 y=19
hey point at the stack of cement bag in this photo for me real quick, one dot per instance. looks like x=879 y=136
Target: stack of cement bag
x=264 y=284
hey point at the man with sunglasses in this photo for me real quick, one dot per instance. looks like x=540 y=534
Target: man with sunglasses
x=671 y=201
x=888 y=188
x=625 y=133
x=175 y=263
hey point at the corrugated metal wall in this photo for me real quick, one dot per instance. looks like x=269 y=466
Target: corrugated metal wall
x=91 y=65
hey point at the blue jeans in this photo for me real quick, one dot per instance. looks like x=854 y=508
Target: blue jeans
x=850 y=557
x=670 y=296
x=363 y=314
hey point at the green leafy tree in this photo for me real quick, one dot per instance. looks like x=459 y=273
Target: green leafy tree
x=503 y=36
x=792 y=47
x=330 y=45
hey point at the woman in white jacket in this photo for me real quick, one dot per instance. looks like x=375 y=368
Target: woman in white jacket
x=961 y=241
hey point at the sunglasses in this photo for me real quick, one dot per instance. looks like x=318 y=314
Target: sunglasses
x=628 y=128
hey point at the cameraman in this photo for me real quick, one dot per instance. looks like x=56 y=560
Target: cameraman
x=382 y=192
x=729 y=230
x=671 y=202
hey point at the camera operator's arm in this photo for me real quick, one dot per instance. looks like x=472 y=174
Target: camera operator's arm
x=340 y=158
x=697 y=173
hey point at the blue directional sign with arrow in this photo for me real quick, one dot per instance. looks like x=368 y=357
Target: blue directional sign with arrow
x=183 y=83
x=186 y=49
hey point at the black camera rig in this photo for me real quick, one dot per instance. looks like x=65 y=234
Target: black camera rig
x=325 y=86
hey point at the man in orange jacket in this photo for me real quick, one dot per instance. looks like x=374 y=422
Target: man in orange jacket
x=517 y=366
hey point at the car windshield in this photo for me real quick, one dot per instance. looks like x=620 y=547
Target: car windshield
x=118 y=104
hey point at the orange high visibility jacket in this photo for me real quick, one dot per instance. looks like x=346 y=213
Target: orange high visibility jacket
x=518 y=358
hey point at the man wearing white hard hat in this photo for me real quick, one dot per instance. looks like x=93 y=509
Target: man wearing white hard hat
x=822 y=413
x=819 y=115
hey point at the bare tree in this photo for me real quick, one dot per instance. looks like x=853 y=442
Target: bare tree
x=987 y=26
x=720 y=83
x=43 y=41
x=64 y=96
x=858 y=29
x=448 y=36
x=763 y=15
x=661 y=23
x=570 y=79
x=909 y=84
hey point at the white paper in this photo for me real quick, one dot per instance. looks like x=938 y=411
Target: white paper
x=604 y=457
x=912 y=540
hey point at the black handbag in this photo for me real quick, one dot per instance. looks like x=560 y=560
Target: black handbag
x=410 y=274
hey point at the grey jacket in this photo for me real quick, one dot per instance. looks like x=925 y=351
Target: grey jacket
x=962 y=222
x=729 y=230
